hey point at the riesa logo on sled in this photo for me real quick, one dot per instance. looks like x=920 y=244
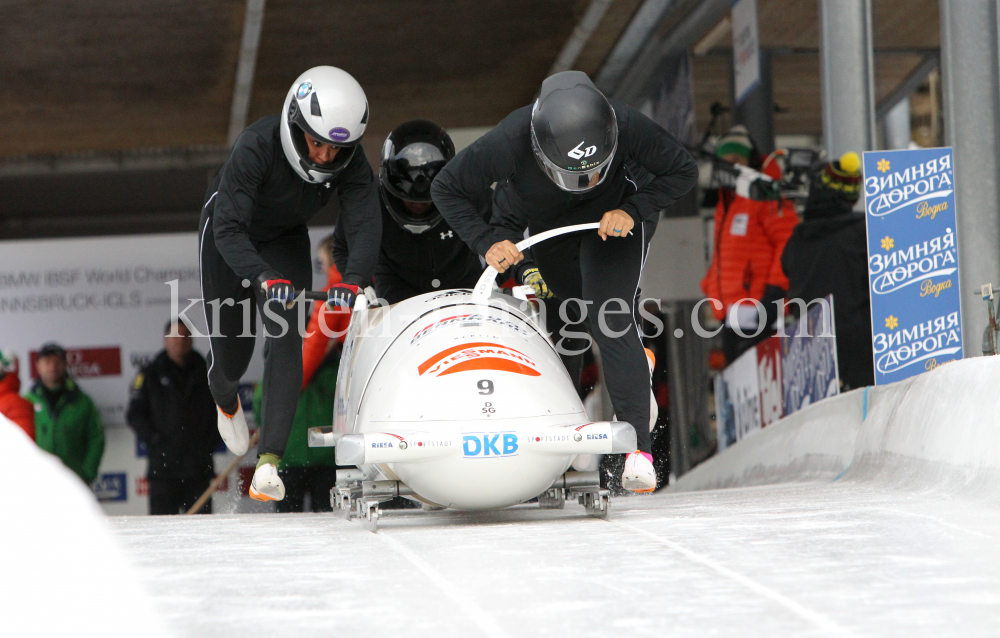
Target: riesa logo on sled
x=111 y=487
x=489 y=444
x=479 y=356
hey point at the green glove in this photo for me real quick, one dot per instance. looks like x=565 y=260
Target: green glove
x=534 y=279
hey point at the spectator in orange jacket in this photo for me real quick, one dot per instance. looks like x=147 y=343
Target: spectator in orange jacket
x=12 y=405
x=318 y=344
x=750 y=236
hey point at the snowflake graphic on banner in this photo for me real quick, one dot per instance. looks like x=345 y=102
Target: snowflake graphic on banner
x=883 y=165
x=888 y=243
x=891 y=322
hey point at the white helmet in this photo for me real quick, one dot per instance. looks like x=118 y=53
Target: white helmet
x=329 y=105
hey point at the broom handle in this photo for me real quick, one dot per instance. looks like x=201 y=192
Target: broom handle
x=220 y=478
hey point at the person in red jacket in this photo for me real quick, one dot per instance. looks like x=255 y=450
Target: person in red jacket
x=13 y=405
x=750 y=236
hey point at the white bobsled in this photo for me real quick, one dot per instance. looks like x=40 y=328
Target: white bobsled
x=459 y=399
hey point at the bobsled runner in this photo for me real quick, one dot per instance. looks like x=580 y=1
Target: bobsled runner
x=458 y=399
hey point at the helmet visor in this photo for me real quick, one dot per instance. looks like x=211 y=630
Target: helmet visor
x=340 y=161
x=407 y=219
x=578 y=181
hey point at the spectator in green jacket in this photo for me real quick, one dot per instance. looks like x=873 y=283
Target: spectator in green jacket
x=67 y=423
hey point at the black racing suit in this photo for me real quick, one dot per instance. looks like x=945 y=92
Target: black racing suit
x=254 y=222
x=580 y=265
x=411 y=264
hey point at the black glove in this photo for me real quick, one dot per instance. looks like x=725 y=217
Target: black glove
x=274 y=287
x=342 y=295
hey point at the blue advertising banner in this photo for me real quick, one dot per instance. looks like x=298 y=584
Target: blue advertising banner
x=111 y=487
x=912 y=261
x=779 y=376
x=809 y=370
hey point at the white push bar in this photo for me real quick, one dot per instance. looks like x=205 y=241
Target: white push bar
x=485 y=284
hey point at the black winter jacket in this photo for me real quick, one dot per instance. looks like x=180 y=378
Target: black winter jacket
x=828 y=254
x=258 y=197
x=172 y=411
x=505 y=153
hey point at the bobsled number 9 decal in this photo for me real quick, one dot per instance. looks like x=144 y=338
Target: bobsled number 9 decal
x=479 y=356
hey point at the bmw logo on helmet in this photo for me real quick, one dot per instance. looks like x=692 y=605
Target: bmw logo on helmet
x=304 y=89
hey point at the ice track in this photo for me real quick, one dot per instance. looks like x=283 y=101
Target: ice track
x=876 y=513
x=792 y=560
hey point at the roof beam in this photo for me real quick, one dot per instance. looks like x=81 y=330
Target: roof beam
x=648 y=65
x=581 y=34
x=718 y=33
x=906 y=88
x=20 y=226
x=638 y=32
x=253 y=23
x=114 y=162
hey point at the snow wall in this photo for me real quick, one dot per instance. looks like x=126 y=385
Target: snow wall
x=938 y=430
x=63 y=571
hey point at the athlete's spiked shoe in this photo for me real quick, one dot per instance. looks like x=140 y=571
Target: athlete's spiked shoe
x=234 y=430
x=266 y=484
x=639 y=475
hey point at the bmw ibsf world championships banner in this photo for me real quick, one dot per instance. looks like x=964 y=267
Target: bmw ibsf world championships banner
x=912 y=261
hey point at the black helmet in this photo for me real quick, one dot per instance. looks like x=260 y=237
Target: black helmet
x=412 y=156
x=573 y=131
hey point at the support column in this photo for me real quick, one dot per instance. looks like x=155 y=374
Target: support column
x=896 y=126
x=845 y=34
x=253 y=22
x=971 y=92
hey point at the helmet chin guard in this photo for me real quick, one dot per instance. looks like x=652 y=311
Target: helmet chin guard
x=330 y=106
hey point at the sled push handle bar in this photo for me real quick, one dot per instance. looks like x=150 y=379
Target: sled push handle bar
x=312 y=295
x=485 y=284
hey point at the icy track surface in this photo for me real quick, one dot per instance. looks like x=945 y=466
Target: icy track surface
x=807 y=559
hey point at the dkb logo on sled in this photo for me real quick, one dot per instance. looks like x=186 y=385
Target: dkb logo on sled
x=490 y=444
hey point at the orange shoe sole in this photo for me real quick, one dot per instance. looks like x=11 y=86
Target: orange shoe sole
x=258 y=496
